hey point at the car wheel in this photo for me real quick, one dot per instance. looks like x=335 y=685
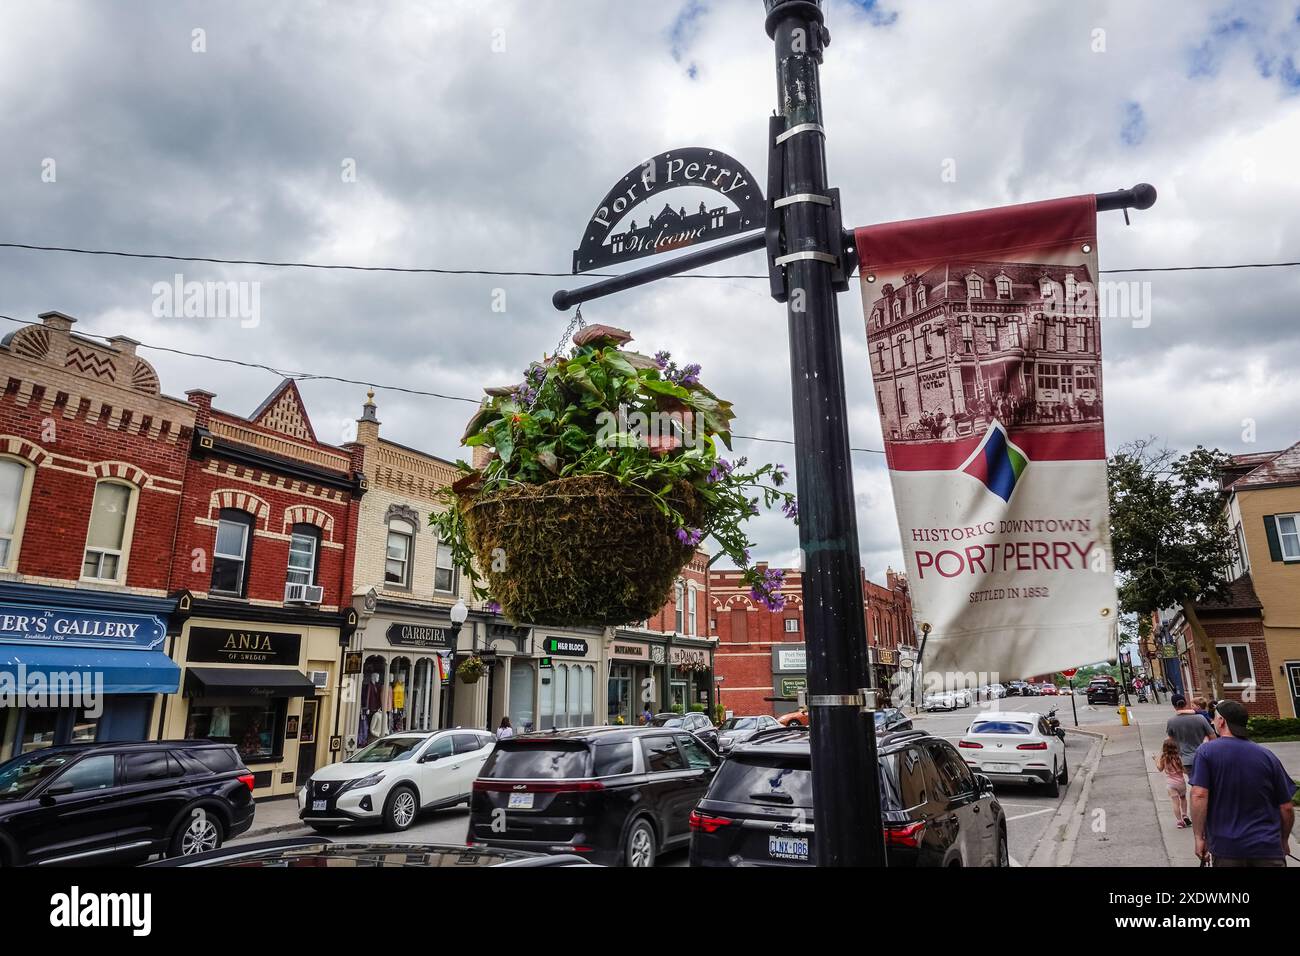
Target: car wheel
x=639 y=849
x=198 y=833
x=1065 y=772
x=1004 y=852
x=1054 y=784
x=400 y=809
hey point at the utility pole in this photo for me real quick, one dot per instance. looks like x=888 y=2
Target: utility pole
x=846 y=789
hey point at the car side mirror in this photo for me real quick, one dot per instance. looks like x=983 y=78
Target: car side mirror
x=983 y=783
x=430 y=758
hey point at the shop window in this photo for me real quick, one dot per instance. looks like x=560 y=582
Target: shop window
x=679 y=606
x=106 y=538
x=40 y=728
x=231 y=555
x=401 y=544
x=15 y=489
x=304 y=548
x=559 y=692
x=444 y=575
x=522 y=682
x=1237 y=667
x=252 y=726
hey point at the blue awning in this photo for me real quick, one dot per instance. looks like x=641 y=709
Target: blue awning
x=122 y=672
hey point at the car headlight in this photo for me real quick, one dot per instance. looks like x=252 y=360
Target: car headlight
x=364 y=782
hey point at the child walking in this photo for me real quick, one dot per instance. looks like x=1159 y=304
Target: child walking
x=1170 y=763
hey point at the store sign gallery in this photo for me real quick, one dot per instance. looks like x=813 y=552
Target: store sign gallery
x=32 y=624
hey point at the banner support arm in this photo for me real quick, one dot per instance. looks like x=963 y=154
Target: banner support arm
x=1141 y=196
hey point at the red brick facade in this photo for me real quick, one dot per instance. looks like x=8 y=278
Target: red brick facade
x=695 y=577
x=76 y=412
x=747 y=633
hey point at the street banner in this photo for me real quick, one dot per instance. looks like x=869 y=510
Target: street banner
x=985 y=352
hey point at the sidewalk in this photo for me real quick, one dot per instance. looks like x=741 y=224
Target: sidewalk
x=272 y=817
x=1126 y=818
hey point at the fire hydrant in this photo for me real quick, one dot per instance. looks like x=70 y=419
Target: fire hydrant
x=1123 y=715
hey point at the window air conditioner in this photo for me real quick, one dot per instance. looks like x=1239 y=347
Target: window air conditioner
x=320 y=679
x=303 y=593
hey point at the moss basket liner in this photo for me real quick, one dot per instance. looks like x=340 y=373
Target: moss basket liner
x=579 y=551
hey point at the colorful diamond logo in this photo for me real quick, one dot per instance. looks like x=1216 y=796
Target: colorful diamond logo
x=997 y=463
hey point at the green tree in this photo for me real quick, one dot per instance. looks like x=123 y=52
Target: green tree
x=1170 y=536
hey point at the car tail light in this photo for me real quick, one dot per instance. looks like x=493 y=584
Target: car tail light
x=247 y=780
x=708 y=824
x=1041 y=745
x=971 y=744
x=558 y=786
x=905 y=834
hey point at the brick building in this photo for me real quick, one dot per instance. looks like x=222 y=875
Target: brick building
x=670 y=656
x=760 y=653
x=92 y=460
x=263 y=555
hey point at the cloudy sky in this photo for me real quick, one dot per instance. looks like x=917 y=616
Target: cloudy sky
x=483 y=132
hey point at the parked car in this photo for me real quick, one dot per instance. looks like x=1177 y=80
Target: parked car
x=317 y=852
x=796 y=718
x=1103 y=690
x=395 y=778
x=940 y=700
x=996 y=692
x=891 y=720
x=614 y=795
x=735 y=730
x=112 y=802
x=1049 y=690
x=965 y=697
x=695 y=722
x=936 y=812
x=1017 y=747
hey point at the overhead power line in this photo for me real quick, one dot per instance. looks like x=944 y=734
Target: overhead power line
x=513 y=273
x=319 y=376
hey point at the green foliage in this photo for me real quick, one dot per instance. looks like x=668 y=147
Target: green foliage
x=1274 y=728
x=1169 y=531
x=719 y=712
x=698 y=708
x=676 y=708
x=470 y=670
x=650 y=431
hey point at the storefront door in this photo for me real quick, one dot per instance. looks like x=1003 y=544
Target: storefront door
x=1293 y=684
x=621 y=703
x=307 y=741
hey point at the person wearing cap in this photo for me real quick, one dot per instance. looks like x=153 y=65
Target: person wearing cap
x=1242 y=812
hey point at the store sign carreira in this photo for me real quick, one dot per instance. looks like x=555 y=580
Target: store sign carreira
x=418 y=635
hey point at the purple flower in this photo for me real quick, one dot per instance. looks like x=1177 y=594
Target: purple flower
x=493 y=607
x=689 y=537
x=662 y=359
x=791 y=509
x=779 y=475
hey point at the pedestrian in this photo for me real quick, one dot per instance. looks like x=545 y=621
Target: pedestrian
x=1170 y=764
x=1191 y=730
x=647 y=715
x=1241 y=797
x=504 y=730
x=1204 y=708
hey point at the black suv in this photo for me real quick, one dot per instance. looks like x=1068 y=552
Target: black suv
x=614 y=795
x=935 y=811
x=1103 y=690
x=95 y=803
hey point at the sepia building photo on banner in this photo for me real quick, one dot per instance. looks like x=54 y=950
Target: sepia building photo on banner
x=985 y=351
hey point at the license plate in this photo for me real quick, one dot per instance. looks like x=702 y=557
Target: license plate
x=787 y=848
x=1001 y=768
x=318 y=804
x=521 y=801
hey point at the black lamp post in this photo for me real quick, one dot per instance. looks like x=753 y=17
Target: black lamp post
x=459 y=614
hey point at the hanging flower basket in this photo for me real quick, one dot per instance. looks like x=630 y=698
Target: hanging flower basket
x=599 y=476
x=470 y=670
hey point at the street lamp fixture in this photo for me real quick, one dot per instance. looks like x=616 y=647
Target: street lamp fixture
x=459 y=614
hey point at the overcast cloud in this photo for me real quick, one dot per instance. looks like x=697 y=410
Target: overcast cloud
x=468 y=155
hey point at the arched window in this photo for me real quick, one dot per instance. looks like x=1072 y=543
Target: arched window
x=15 y=489
x=680 y=607
x=1004 y=287
x=974 y=287
x=898 y=310
x=231 y=555
x=920 y=296
x=304 y=554
x=106 y=539
x=880 y=356
x=991 y=333
x=925 y=341
x=400 y=553
x=901 y=342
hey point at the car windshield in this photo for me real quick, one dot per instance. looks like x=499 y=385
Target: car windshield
x=881 y=717
x=739 y=723
x=388 y=749
x=526 y=759
x=19 y=776
x=667 y=720
x=1000 y=727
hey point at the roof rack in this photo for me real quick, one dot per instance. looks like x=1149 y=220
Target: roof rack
x=900 y=735
x=772 y=731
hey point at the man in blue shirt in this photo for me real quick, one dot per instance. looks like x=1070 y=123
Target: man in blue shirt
x=1241 y=797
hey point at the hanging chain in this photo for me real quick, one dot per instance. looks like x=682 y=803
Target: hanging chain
x=578 y=322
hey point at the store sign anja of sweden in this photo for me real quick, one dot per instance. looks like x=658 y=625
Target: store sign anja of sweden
x=418 y=635
x=668 y=228
x=220 y=645
x=566 y=646
x=32 y=624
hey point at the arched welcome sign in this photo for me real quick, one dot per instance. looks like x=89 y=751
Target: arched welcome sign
x=670 y=227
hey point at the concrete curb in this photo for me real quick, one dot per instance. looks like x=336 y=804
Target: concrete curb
x=257 y=831
x=1063 y=832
